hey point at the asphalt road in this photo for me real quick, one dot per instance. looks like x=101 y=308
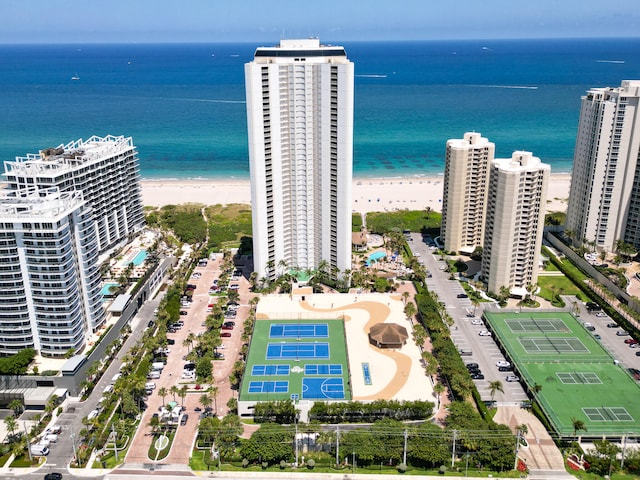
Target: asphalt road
x=71 y=419
x=465 y=336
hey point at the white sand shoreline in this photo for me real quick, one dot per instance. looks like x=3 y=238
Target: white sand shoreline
x=369 y=194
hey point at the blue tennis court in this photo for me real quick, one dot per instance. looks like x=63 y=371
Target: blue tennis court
x=258 y=370
x=321 y=388
x=297 y=350
x=323 y=369
x=269 y=387
x=299 y=330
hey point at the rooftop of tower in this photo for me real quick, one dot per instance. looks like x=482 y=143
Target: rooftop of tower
x=297 y=48
x=36 y=203
x=68 y=157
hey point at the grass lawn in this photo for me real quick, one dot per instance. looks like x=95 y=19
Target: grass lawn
x=562 y=283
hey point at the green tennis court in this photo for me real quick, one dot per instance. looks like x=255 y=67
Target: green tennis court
x=289 y=359
x=578 y=378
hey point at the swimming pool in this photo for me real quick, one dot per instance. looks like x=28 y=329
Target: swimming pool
x=139 y=258
x=375 y=256
x=106 y=289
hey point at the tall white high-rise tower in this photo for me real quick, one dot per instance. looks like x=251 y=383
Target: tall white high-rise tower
x=300 y=123
x=514 y=222
x=466 y=183
x=604 y=201
x=50 y=285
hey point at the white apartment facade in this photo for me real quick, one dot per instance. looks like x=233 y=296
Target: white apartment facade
x=105 y=169
x=300 y=123
x=514 y=222
x=604 y=200
x=466 y=180
x=50 y=282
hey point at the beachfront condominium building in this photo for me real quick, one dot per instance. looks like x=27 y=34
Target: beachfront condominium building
x=604 y=200
x=466 y=178
x=300 y=123
x=514 y=222
x=50 y=296
x=105 y=169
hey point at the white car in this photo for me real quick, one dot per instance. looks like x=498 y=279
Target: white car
x=502 y=363
x=601 y=315
x=484 y=333
x=512 y=378
x=476 y=321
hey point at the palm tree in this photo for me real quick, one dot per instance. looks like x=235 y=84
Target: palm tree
x=405 y=297
x=410 y=310
x=183 y=393
x=163 y=393
x=11 y=423
x=214 y=394
x=205 y=400
x=174 y=391
x=577 y=426
x=494 y=387
x=16 y=406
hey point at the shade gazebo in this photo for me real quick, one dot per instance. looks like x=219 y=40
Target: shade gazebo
x=388 y=335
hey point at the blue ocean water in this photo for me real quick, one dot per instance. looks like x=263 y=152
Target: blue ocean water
x=183 y=104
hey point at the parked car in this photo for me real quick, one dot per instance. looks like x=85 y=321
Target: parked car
x=462 y=295
x=227 y=327
x=476 y=321
x=472 y=365
x=184 y=419
x=622 y=333
x=505 y=369
x=601 y=314
x=612 y=325
x=184 y=312
x=503 y=363
x=512 y=378
x=484 y=333
x=151 y=324
x=225 y=334
x=230 y=323
x=477 y=376
x=629 y=341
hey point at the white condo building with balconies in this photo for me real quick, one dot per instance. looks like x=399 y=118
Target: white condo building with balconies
x=300 y=123
x=466 y=181
x=50 y=284
x=105 y=169
x=604 y=200
x=514 y=222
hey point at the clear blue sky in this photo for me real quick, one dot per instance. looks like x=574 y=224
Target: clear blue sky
x=83 y=21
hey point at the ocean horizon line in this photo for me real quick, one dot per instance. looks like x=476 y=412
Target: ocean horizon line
x=275 y=40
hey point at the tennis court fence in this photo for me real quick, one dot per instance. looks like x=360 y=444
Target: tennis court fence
x=302 y=316
x=568 y=357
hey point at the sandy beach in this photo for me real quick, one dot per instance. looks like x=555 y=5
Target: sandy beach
x=369 y=194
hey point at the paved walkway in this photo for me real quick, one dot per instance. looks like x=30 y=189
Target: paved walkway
x=542 y=453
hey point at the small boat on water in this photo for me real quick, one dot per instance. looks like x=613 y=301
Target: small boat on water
x=75 y=77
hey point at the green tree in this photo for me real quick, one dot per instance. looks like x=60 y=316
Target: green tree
x=495 y=386
x=163 y=393
x=577 y=425
x=271 y=443
x=11 y=423
x=17 y=406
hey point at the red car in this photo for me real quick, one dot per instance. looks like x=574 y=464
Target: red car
x=227 y=327
x=630 y=341
x=225 y=334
